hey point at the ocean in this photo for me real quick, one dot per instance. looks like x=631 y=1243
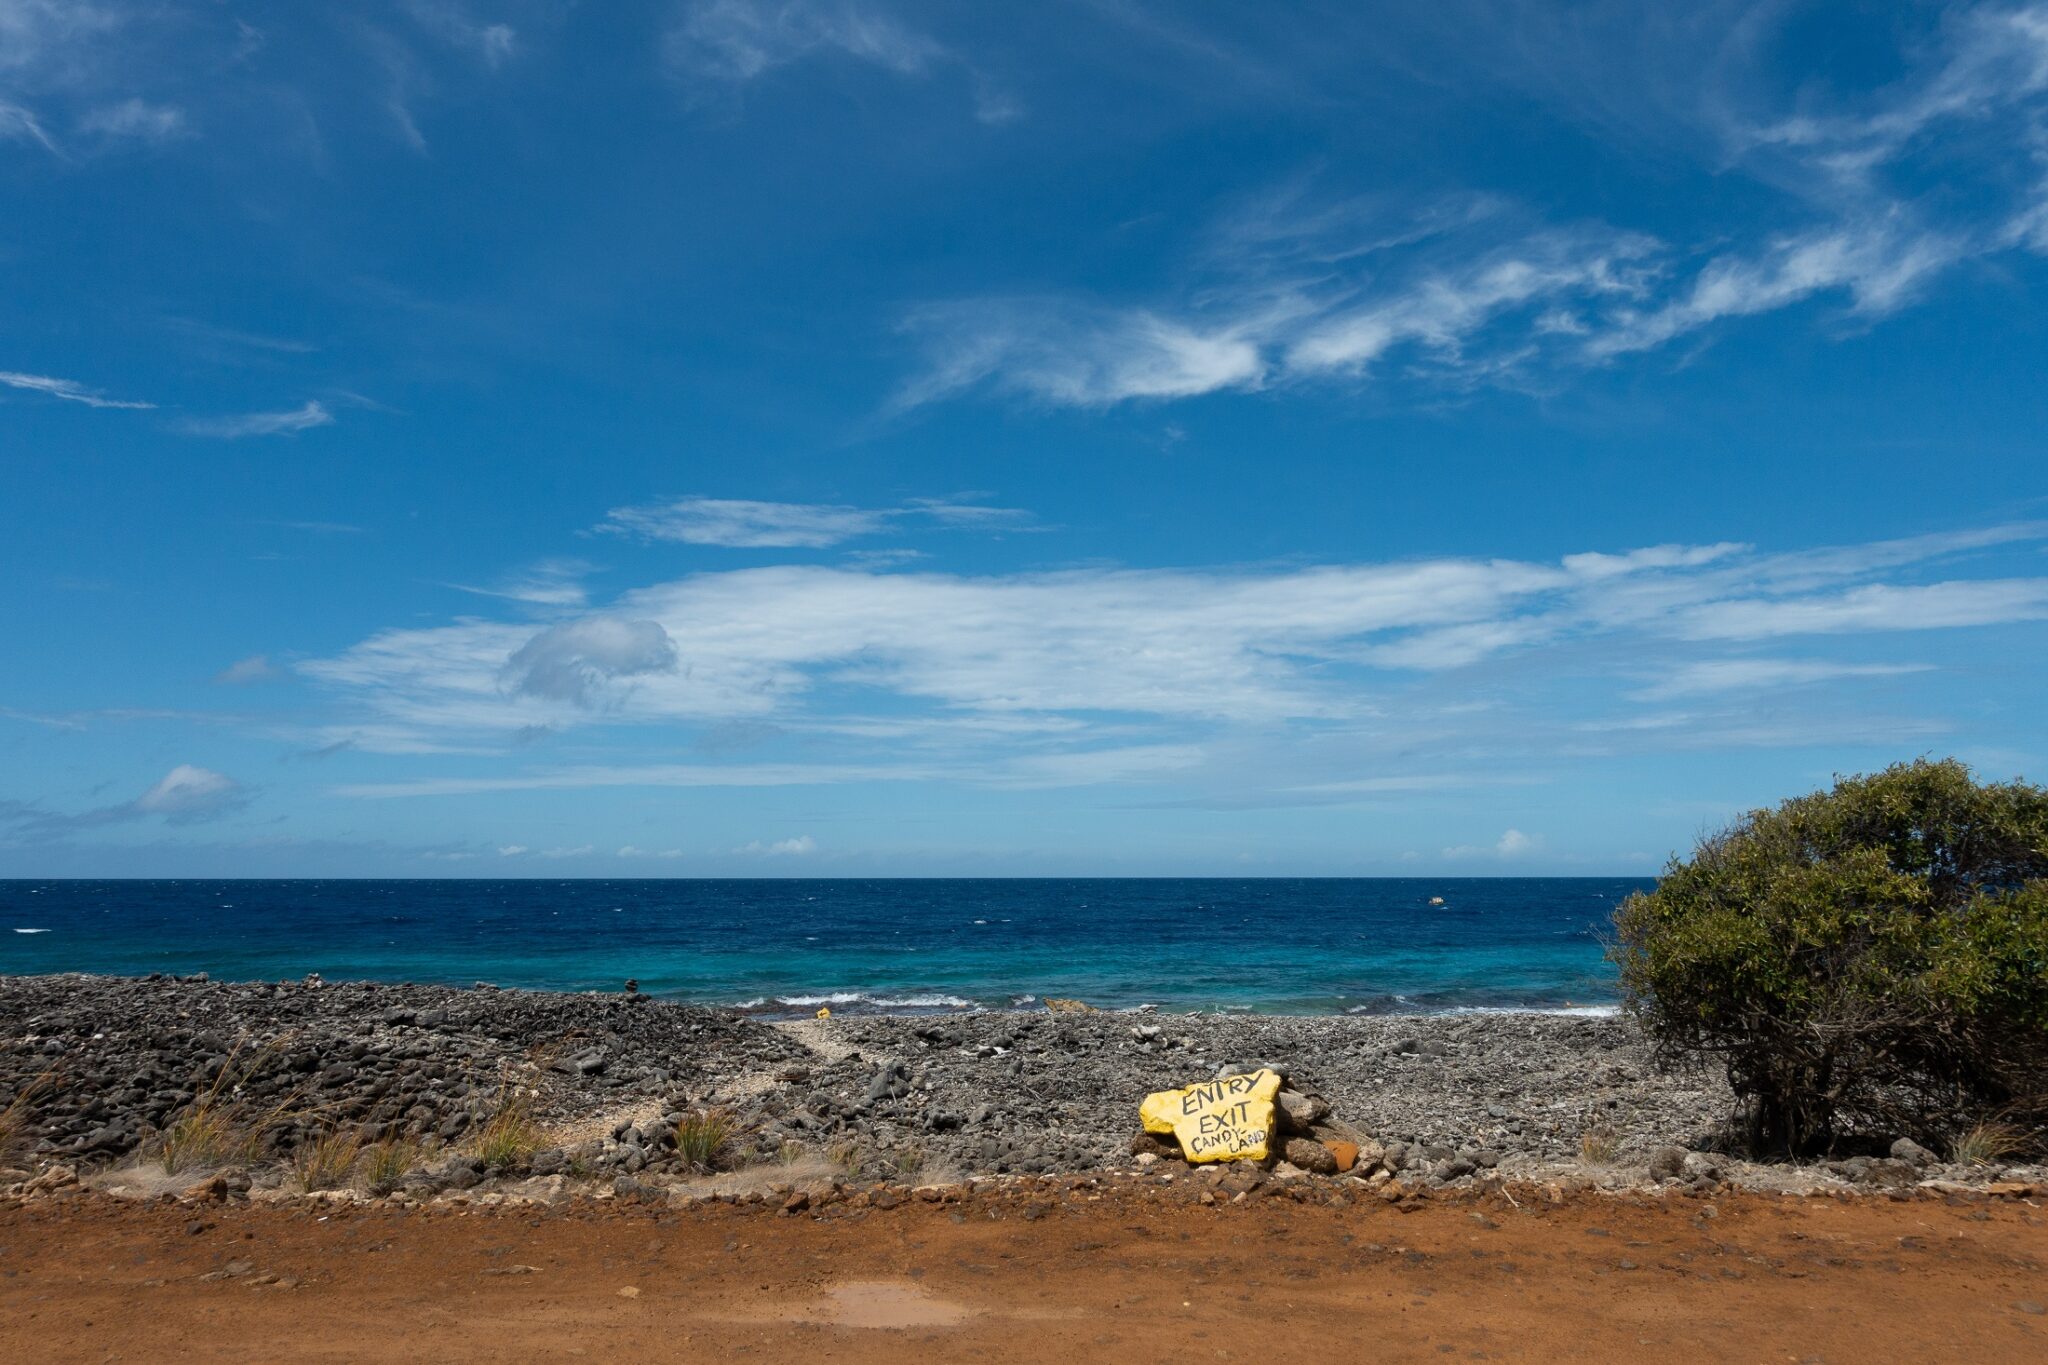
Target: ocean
x=1293 y=946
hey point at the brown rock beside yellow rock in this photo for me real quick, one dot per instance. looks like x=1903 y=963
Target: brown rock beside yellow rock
x=1230 y=1119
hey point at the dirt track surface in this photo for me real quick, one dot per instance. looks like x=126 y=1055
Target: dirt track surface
x=1124 y=1277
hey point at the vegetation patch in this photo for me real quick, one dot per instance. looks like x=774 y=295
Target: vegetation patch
x=1870 y=960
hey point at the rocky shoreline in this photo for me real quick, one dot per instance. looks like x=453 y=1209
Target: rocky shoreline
x=97 y=1072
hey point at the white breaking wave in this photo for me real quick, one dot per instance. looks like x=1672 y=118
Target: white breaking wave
x=31 y=931
x=884 y=1002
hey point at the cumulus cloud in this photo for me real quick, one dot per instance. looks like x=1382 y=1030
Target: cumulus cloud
x=304 y=418
x=185 y=795
x=70 y=390
x=578 y=661
x=738 y=523
x=1513 y=843
x=801 y=846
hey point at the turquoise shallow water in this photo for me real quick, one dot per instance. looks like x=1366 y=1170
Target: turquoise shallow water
x=1279 y=945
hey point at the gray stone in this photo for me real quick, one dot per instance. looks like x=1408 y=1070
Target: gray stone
x=1912 y=1153
x=1667 y=1163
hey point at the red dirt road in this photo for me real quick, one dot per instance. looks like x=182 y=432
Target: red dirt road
x=1129 y=1276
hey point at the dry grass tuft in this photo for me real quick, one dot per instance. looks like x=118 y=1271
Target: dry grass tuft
x=1988 y=1144
x=1599 y=1146
x=846 y=1158
x=328 y=1161
x=389 y=1162
x=704 y=1138
x=510 y=1136
x=219 y=1128
x=16 y=1118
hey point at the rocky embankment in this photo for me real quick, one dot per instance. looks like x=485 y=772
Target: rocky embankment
x=466 y=1086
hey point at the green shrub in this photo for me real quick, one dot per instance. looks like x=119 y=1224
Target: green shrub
x=1871 y=959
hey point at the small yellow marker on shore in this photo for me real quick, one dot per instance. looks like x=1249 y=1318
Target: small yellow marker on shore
x=824 y=1013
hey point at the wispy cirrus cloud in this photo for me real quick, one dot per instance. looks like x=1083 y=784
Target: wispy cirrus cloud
x=553 y=582
x=1715 y=676
x=309 y=415
x=737 y=523
x=136 y=119
x=1469 y=289
x=69 y=390
x=728 y=43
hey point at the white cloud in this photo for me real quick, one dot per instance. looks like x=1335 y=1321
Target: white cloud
x=1877 y=607
x=803 y=845
x=1879 y=265
x=579 y=851
x=312 y=414
x=137 y=119
x=738 y=40
x=1513 y=843
x=629 y=851
x=189 y=794
x=577 y=661
x=1716 y=676
x=256 y=668
x=491 y=43
x=1079 y=355
x=69 y=390
x=511 y=850
x=738 y=523
x=548 y=583
x=743 y=524
x=724 y=44
x=1472 y=290
x=1109 y=648
x=21 y=124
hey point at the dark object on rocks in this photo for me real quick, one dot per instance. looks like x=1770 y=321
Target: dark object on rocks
x=632 y=986
x=1151 y=1144
x=1667 y=1163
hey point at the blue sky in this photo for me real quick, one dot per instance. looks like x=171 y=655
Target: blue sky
x=494 y=437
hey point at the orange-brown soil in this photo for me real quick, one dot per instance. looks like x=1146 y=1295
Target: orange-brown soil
x=1127 y=1276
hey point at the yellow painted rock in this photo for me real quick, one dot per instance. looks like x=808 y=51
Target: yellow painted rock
x=1226 y=1120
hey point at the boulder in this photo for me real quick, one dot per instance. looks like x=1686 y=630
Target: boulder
x=1300 y=1113
x=1912 y=1153
x=1310 y=1155
x=1667 y=1163
x=1149 y=1144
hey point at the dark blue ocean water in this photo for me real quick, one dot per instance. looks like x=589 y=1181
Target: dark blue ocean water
x=1287 y=946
